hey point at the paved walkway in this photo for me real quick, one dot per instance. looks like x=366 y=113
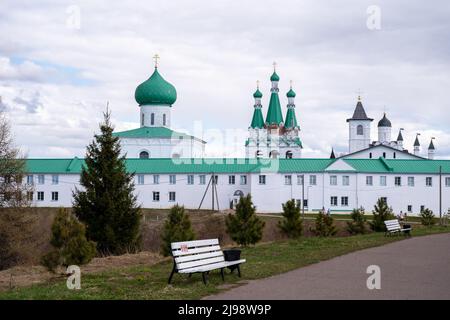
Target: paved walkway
x=416 y=268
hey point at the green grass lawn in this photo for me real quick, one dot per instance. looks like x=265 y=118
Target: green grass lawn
x=262 y=261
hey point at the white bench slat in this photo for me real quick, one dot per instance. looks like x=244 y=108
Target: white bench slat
x=197 y=263
x=200 y=256
x=213 y=266
x=177 y=253
x=195 y=243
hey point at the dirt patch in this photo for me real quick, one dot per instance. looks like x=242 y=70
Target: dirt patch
x=29 y=275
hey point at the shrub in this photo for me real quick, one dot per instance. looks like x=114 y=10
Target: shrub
x=176 y=228
x=381 y=213
x=292 y=224
x=324 y=225
x=69 y=242
x=427 y=217
x=244 y=227
x=358 y=223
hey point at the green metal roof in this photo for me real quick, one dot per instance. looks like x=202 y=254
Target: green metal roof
x=257 y=120
x=291 y=119
x=241 y=165
x=274 y=77
x=257 y=94
x=274 y=115
x=154 y=132
x=155 y=90
x=290 y=93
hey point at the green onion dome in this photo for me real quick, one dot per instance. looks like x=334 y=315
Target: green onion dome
x=274 y=77
x=290 y=94
x=155 y=90
x=257 y=94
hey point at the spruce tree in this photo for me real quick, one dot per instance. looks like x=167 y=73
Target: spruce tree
x=107 y=205
x=427 y=217
x=381 y=213
x=292 y=224
x=358 y=223
x=176 y=228
x=324 y=225
x=244 y=227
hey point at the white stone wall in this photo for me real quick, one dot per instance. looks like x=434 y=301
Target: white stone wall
x=380 y=151
x=269 y=197
x=159 y=112
x=358 y=142
x=163 y=147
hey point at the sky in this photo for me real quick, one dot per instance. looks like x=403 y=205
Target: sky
x=62 y=61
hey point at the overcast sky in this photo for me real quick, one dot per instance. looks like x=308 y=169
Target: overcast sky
x=60 y=62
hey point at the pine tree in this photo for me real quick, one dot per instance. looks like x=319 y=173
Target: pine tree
x=69 y=242
x=358 y=223
x=176 y=228
x=108 y=206
x=381 y=213
x=324 y=225
x=244 y=227
x=292 y=224
x=427 y=217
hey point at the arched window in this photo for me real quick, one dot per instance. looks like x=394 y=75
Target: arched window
x=143 y=155
x=289 y=154
x=370 y=155
x=142 y=120
x=384 y=155
x=175 y=155
x=164 y=119
x=152 y=119
x=258 y=153
x=395 y=155
x=360 y=130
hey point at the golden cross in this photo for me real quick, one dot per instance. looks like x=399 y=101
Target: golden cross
x=290 y=82
x=359 y=92
x=257 y=84
x=274 y=65
x=156 y=57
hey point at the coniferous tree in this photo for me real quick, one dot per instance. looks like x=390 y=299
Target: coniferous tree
x=292 y=224
x=381 y=213
x=69 y=242
x=324 y=225
x=358 y=223
x=176 y=228
x=427 y=217
x=107 y=205
x=244 y=227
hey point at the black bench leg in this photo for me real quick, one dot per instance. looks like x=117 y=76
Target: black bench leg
x=239 y=271
x=221 y=273
x=190 y=275
x=171 y=274
x=205 y=279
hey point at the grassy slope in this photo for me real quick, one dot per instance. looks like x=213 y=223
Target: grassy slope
x=151 y=282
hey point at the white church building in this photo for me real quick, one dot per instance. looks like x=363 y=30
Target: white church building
x=170 y=168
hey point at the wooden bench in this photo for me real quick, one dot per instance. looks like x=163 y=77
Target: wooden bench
x=393 y=227
x=200 y=256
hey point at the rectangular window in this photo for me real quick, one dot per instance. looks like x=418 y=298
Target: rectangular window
x=55 y=196
x=202 y=179
x=40 y=195
x=383 y=181
x=429 y=181
x=190 y=179
x=447 y=182
x=333 y=180
x=41 y=179
x=231 y=179
x=300 y=179
x=312 y=180
x=334 y=201
x=55 y=179
x=422 y=208
x=30 y=179
x=409 y=208
x=140 y=179
x=262 y=179
x=30 y=195
x=172 y=179
x=172 y=196
x=411 y=181
x=344 y=201
x=155 y=196
x=384 y=199
x=216 y=179
x=288 y=180
x=369 y=181
x=243 y=179
x=156 y=179
x=398 y=181
x=345 y=180
x=305 y=203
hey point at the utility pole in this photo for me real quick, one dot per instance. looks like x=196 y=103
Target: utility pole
x=212 y=189
x=303 y=196
x=440 y=195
